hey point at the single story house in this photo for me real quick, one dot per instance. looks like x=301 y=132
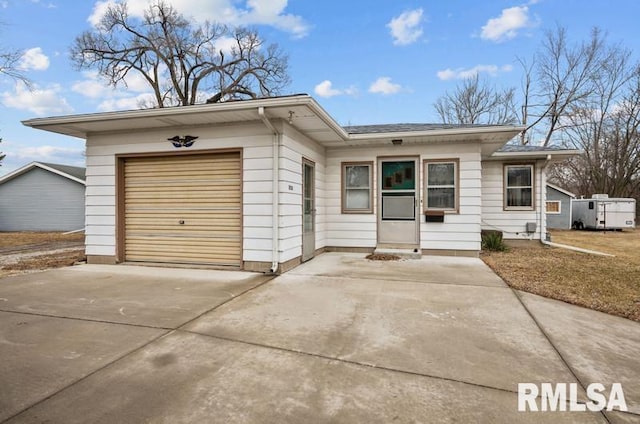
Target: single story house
x=558 y=207
x=266 y=184
x=42 y=197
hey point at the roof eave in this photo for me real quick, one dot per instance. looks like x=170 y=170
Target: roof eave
x=440 y=132
x=541 y=154
x=68 y=125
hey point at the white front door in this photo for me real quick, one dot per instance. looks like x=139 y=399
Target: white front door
x=398 y=190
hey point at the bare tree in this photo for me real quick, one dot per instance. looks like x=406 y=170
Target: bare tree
x=474 y=101
x=2 y=156
x=606 y=126
x=560 y=76
x=183 y=63
x=10 y=67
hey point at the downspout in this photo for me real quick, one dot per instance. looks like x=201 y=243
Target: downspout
x=275 y=199
x=543 y=240
x=543 y=184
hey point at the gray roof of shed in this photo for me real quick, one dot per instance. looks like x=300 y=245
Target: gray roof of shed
x=74 y=171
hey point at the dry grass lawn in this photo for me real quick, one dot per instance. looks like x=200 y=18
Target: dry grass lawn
x=31 y=251
x=607 y=284
x=15 y=239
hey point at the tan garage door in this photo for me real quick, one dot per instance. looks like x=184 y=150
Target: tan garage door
x=183 y=209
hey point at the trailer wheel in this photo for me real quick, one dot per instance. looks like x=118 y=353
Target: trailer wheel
x=580 y=226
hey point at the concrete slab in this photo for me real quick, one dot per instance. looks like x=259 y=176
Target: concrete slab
x=600 y=348
x=480 y=335
x=429 y=269
x=189 y=378
x=42 y=355
x=156 y=297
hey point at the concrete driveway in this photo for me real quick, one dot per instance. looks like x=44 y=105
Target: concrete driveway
x=338 y=339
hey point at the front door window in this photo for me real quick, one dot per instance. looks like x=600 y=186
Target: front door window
x=398 y=190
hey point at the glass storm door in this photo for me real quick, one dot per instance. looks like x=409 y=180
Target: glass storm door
x=308 y=210
x=398 y=202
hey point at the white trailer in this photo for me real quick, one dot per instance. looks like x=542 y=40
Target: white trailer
x=603 y=213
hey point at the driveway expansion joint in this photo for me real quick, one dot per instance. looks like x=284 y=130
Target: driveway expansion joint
x=401 y=280
x=257 y=286
x=99 y=321
x=350 y=362
x=516 y=293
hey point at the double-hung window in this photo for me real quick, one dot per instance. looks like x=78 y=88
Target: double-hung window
x=518 y=187
x=441 y=185
x=357 y=187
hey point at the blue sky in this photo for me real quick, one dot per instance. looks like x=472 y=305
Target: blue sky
x=375 y=61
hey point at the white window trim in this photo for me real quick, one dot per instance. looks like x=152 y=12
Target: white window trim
x=559 y=202
x=343 y=188
x=532 y=186
x=455 y=186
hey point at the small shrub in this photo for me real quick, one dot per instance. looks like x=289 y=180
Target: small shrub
x=492 y=240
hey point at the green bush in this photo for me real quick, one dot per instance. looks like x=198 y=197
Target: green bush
x=492 y=240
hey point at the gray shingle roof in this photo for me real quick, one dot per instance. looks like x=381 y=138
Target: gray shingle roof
x=74 y=171
x=407 y=127
x=518 y=148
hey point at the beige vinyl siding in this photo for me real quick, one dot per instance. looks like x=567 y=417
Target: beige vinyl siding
x=183 y=209
x=511 y=222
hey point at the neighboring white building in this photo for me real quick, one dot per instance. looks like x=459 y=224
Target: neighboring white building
x=272 y=182
x=42 y=197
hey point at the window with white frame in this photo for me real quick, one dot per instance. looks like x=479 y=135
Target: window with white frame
x=518 y=187
x=441 y=184
x=553 y=207
x=357 y=191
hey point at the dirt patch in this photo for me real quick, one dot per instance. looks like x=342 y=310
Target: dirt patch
x=27 y=252
x=607 y=284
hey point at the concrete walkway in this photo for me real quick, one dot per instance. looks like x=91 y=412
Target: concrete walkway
x=339 y=339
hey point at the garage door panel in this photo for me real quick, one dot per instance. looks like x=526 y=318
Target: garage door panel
x=183 y=209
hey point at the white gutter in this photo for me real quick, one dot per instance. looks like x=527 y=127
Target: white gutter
x=275 y=199
x=542 y=206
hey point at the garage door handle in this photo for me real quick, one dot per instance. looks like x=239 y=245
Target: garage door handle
x=181 y=222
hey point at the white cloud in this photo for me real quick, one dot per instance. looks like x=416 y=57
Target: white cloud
x=48 y=154
x=91 y=86
x=136 y=94
x=325 y=89
x=4 y=4
x=34 y=60
x=127 y=103
x=405 y=29
x=383 y=85
x=461 y=73
x=254 y=12
x=40 y=101
x=506 y=26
